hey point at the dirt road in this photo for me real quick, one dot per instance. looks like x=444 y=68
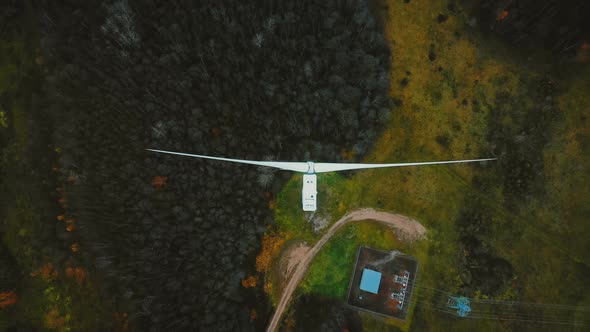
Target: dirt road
x=407 y=229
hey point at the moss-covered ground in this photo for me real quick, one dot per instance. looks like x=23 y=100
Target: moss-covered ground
x=460 y=96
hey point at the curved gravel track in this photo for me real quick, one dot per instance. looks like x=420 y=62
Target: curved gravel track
x=408 y=230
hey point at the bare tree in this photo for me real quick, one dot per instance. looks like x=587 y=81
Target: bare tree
x=120 y=23
x=258 y=39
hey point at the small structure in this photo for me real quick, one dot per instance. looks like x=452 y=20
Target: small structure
x=370 y=281
x=459 y=303
x=383 y=282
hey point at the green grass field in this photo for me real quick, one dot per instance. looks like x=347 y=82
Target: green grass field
x=340 y=254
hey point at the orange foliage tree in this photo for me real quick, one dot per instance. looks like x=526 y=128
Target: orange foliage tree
x=272 y=204
x=271 y=245
x=69 y=224
x=159 y=182
x=253 y=314
x=76 y=273
x=249 y=282
x=47 y=272
x=7 y=299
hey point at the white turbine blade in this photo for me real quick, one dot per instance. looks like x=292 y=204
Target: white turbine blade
x=284 y=165
x=332 y=167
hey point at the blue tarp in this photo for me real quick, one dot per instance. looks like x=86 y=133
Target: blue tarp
x=370 y=281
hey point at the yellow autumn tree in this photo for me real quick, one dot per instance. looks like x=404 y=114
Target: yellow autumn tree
x=271 y=245
x=53 y=320
x=347 y=154
x=268 y=287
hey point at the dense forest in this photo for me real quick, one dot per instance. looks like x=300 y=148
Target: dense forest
x=559 y=26
x=174 y=237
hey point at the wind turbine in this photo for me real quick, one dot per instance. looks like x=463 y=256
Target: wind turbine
x=309 y=199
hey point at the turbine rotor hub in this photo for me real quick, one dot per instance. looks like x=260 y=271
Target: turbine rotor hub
x=310 y=166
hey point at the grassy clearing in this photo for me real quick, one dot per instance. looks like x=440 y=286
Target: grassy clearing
x=333 y=265
x=292 y=221
x=457 y=92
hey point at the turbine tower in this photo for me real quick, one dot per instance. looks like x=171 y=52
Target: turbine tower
x=309 y=192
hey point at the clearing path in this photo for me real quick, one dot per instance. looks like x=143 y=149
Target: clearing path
x=409 y=230
x=291 y=258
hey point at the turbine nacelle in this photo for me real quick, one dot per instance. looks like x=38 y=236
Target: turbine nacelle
x=309 y=192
